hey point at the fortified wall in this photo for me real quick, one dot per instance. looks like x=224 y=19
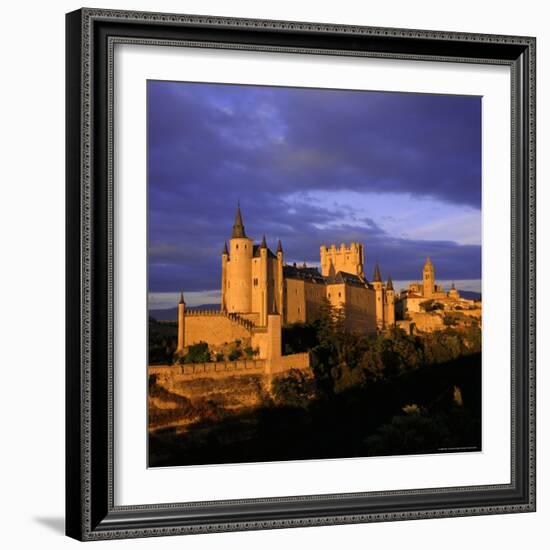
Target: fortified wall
x=171 y=375
x=216 y=327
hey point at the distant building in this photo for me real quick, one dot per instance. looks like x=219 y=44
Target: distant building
x=421 y=297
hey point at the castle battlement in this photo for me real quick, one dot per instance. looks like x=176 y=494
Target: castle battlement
x=347 y=258
x=235 y=317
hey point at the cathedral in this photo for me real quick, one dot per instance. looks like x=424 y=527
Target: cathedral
x=260 y=292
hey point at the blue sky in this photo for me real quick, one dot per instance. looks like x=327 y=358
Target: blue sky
x=399 y=172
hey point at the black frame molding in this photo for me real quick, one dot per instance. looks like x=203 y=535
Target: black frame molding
x=90 y=38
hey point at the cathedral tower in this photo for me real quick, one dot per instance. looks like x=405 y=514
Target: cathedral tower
x=428 y=279
x=238 y=291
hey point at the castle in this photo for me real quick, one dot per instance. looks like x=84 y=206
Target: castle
x=260 y=294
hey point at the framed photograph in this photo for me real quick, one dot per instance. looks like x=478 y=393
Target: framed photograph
x=300 y=274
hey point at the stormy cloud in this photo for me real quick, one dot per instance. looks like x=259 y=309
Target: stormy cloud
x=398 y=172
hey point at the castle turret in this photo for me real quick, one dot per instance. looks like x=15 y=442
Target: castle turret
x=378 y=296
x=428 y=279
x=280 y=284
x=263 y=281
x=181 y=324
x=389 y=314
x=225 y=259
x=238 y=294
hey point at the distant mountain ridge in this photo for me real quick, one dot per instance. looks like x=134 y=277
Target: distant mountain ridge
x=470 y=295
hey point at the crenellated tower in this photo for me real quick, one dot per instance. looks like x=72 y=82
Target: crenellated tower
x=349 y=259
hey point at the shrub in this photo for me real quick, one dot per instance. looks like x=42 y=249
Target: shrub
x=197 y=353
x=234 y=354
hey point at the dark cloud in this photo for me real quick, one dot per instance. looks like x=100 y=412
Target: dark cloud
x=211 y=145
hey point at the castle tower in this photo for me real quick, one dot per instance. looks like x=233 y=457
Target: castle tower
x=389 y=314
x=378 y=296
x=181 y=324
x=263 y=282
x=238 y=292
x=225 y=259
x=348 y=259
x=428 y=279
x=280 y=284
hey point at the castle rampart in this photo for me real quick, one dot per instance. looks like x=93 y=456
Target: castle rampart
x=215 y=327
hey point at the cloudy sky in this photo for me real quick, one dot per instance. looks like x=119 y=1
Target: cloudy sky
x=398 y=172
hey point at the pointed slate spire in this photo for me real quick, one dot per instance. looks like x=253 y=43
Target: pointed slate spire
x=279 y=246
x=453 y=285
x=182 y=301
x=376 y=277
x=389 y=284
x=264 y=243
x=238 y=226
x=225 y=251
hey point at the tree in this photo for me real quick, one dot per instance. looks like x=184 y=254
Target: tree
x=292 y=389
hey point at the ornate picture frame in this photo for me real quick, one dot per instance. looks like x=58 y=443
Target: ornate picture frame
x=91 y=511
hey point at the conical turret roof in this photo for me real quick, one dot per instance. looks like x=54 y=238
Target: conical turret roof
x=389 y=284
x=376 y=277
x=279 y=246
x=182 y=301
x=238 y=226
x=225 y=251
x=264 y=243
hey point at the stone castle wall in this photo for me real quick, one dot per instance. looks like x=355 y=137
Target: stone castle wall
x=217 y=328
x=284 y=363
x=172 y=374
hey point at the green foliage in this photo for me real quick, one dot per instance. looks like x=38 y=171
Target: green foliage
x=197 y=353
x=248 y=351
x=234 y=354
x=291 y=390
x=162 y=342
x=299 y=338
x=219 y=356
